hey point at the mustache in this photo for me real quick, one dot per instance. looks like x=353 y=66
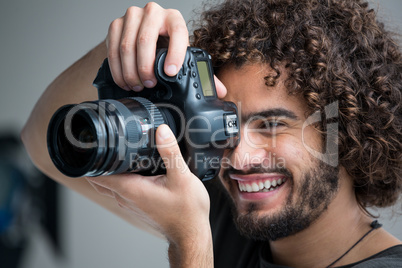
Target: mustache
x=257 y=170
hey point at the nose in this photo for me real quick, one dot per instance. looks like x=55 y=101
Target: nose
x=251 y=151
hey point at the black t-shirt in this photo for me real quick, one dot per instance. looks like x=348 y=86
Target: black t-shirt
x=234 y=251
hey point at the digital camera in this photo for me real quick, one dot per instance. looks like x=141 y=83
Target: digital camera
x=116 y=134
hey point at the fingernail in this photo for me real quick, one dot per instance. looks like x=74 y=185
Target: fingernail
x=126 y=88
x=149 y=84
x=137 y=88
x=164 y=132
x=171 y=70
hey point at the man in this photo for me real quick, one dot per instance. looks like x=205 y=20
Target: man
x=297 y=185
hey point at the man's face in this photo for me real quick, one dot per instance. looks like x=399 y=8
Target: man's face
x=277 y=187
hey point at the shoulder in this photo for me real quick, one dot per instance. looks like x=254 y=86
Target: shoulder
x=391 y=257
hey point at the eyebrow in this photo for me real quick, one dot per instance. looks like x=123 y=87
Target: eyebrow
x=278 y=112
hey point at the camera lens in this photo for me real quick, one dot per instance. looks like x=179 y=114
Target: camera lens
x=107 y=137
x=83 y=131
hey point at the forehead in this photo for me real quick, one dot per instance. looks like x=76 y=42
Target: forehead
x=247 y=88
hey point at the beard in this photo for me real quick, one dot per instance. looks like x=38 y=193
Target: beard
x=315 y=190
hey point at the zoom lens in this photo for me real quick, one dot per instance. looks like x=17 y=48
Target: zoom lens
x=83 y=131
x=107 y=137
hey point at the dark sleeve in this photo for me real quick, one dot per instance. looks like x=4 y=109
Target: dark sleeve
x=230 y=249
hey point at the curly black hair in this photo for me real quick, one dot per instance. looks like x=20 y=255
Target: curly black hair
x=333 y=50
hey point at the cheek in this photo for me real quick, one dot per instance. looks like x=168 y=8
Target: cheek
x=311 y=139
x=291 y=154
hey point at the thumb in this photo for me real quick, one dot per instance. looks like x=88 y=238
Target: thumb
x=169 y=151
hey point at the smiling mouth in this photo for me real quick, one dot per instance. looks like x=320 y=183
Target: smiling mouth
x=260 y=185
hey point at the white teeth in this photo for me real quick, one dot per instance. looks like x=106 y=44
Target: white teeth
x=255 y=187
x=249 y=188
x=264 y=186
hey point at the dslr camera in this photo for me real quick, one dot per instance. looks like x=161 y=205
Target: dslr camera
x=116 y=134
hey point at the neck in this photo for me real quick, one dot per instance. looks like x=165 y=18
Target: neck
x=331 y=235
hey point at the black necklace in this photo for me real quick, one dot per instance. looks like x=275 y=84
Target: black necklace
x=374 y=225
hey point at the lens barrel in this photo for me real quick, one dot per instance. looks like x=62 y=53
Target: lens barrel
x=107 y=137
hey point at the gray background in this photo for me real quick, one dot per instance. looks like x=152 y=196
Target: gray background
x=39 y=39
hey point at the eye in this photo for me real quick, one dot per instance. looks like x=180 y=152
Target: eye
x=271 y=124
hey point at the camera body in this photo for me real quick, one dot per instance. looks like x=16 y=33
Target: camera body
x=203 y=125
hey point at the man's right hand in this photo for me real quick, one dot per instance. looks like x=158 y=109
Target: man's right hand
x=132 y=42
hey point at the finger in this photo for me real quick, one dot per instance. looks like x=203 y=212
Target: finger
x=146 y=43
x=220 y=88
x=128 y=48
x=176 y=29
x=170 y=153
x=113 y=52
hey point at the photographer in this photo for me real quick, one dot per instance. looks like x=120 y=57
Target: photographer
x=298 y=184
